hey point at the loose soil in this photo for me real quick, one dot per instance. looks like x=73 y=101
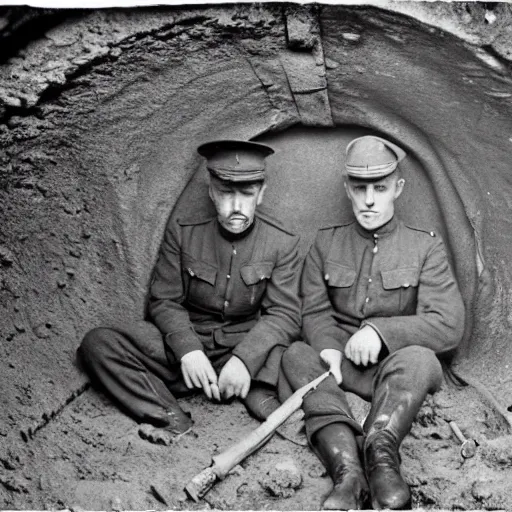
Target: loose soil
x=91 y=457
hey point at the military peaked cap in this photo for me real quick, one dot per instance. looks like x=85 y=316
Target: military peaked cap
x=235 y=160
x=371 y=157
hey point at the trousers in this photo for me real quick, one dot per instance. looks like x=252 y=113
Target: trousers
x=402 y=380
x=132 y=364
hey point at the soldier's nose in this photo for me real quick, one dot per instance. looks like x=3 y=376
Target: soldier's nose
x=369 y=199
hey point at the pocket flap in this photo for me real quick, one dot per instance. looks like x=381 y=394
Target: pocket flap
x=200 y=269
x=255 y=272
x=338 y=275
x=400 y=278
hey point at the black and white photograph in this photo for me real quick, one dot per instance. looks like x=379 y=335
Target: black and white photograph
x=255 y=255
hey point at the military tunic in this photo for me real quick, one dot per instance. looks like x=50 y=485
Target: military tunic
x=397 y=280
x=214 y=290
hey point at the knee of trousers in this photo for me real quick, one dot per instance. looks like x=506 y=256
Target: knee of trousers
x=300 y=361
x=421 y=363
x=96 y=345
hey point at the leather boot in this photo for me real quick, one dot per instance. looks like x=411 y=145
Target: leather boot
x=382 y=463
x=401 y=384
x=336 y=446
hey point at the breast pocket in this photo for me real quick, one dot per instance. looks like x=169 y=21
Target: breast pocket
x=339 y=280
x=255 y=277
x=199 y=278
x=401 y=289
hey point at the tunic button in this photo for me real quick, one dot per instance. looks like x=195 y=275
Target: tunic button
x=375 y=250
x=234 y=251
x=375 y=235
x=367 y=300
x=370 y=280
x=406 y=285
x=228 y=276
x=190 y=271
x=226 y=303
x=326 y=277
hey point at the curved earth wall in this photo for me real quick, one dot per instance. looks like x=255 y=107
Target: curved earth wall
x=102 y=114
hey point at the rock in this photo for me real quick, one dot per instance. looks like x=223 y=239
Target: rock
x=6 y=256
x=317 y=472
x=116 y=504
x=480 y=490
x=282 y=480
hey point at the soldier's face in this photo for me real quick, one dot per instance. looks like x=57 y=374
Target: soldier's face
x=373 y=202
x=236 y=202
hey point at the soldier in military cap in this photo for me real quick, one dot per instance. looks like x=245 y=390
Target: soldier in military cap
x=223 y=305
x=380 y=303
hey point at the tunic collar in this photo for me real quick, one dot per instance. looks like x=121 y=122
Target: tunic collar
x=381 y=232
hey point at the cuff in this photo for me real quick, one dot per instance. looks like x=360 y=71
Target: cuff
x=378 y=331
x=183 y=342
x=253 y=364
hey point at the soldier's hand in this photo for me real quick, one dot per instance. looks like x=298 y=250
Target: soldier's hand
x=198 y=372
x=234 y=379
x=332 y=358
x=364 y=346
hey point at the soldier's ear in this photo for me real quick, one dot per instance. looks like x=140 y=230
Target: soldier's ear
x=261 y=193
x=399 y=187
x=345 y=186
x=210 y=186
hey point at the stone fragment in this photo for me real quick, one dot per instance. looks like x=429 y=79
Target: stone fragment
x=282 y=480
x=116 y=504
x=6 y=256
x=480 y=490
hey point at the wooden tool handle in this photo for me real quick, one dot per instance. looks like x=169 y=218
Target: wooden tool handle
x=227 y=460
x=456 y=430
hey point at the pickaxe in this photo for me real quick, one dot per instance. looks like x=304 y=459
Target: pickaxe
x=227 y=460
x=468 y=446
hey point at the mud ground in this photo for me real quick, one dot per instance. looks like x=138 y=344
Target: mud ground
x=91 y=457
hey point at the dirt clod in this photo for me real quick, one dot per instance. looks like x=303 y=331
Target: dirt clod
x=282 y=480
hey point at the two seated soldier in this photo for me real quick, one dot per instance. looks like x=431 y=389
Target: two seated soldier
x=376 y=300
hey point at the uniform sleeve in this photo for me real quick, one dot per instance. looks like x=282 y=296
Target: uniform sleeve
x=279 y=323
x=439 y=320
x=321 y=327
x=167 y=296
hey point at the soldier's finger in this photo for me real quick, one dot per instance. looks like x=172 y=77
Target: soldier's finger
x=195 y=380
x=349 y=352
x=205 y=383
x=215 y=391
x=245 y=389
x=208 y=392
x=210 y=373
x=336 y=372
x=374 y=357
x=187 y=380
x=364 y=357
x=228 y=392
x=356 y=358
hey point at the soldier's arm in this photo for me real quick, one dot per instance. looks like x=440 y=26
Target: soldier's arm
x=320 y=326
x=279 y=323
x=167 y=296
x=439 y=320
